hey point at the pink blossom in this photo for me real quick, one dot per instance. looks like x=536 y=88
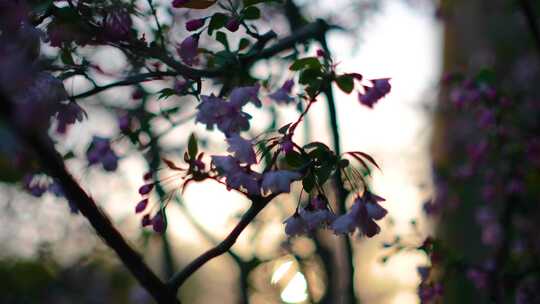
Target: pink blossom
x=278 y=181
x=236 y=176
x=228 y=117
x=364 y=212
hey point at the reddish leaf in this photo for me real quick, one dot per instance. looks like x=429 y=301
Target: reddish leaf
x=369 y=158
x=171 y=165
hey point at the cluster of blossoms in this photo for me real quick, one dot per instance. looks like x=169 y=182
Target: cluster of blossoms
x=228 y=116
x=317 y=214
x=494 y=142
x=101 y=152
x=237 y=172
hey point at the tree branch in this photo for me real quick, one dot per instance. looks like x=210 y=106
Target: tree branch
x=258 y=204
x=53 y=164
x=342 y=193
x=528 y=11
x=310 y=31
x=125 y=82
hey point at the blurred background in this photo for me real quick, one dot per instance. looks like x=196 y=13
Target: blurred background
x=49 y=255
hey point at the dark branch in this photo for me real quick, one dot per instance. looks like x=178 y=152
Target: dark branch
x=126 y=82
x=53 y=164
x=258 y=204
x=528 y=11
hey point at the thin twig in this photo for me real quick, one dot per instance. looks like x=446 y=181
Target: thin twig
x=258 y=204
x=125 y=82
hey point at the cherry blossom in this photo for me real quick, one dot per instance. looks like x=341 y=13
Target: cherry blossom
x=278 y=181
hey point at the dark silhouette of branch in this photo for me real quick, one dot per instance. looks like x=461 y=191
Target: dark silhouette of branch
x=528 y=11
x=53 y=164
x=258 y=204
x=341 y=192
x=125 y=82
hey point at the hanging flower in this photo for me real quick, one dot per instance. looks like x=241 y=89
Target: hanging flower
x=278 y=181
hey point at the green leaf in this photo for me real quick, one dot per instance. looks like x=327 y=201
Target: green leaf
x=222 y=38
x=324 y=173
x=486 y=76
x=253 y=2
x=309 y=76
x=251 y=13
x=345 y=83
x=307 y=62
x=294 y=159
x=244 y=43
x=166 y=93
x=193 y=148
x=66 y=57
x=284 y=129
x=224 y=58
x=308 y=182
x=316 y=144
x=217 y=21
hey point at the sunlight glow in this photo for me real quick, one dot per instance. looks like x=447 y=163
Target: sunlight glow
x=280 y=272
x=296 y=290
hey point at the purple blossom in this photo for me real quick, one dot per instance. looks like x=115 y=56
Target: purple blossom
x=228 y=117
x=486 y=118
x=282 y=95
x=118 y=24
x=317 y=218
x=141 y=206
x=145 y=189
x=240 y=96
x=278 y=181
x=35 y=105
x=478 y=277
x=146 y=221
x=188 y=49
x=124 y=123
x=232 y=24
x=381 y=87
x=158 y=223
x=195 y=24
x=179 y=3
x=286 y=144
x=236 y=176
x=100 y=151
x=68 y=114
x=295 y=225
x=242 y=149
